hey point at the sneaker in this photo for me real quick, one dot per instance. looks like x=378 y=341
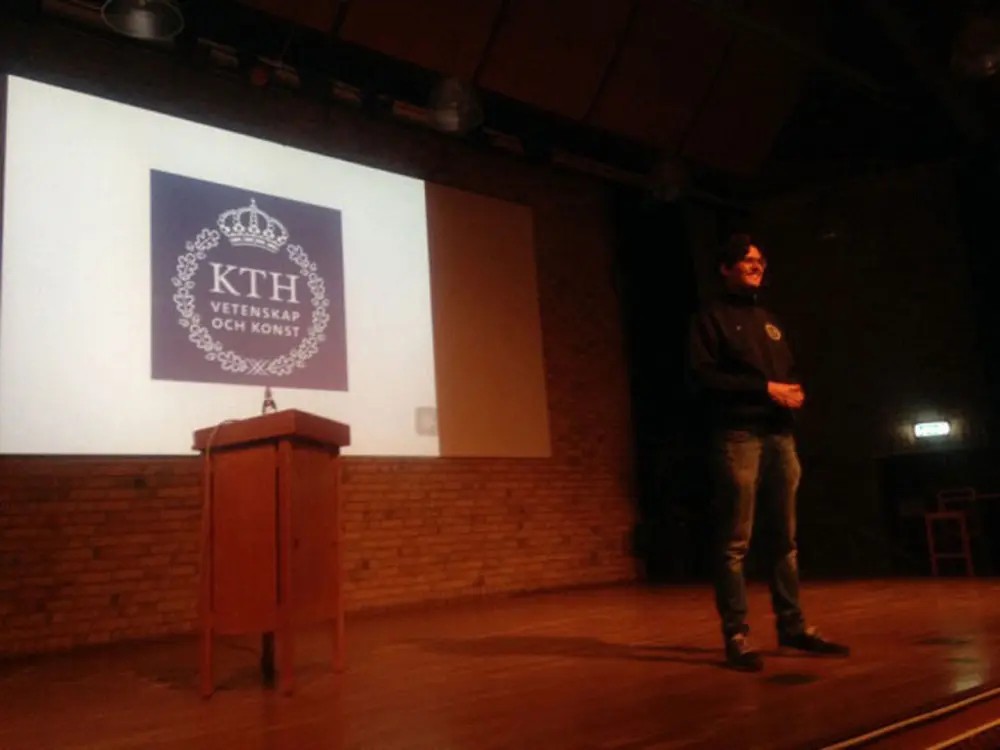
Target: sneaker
x=741 y=655
x=811 y=641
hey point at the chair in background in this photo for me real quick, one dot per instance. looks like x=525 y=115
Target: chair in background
x=950 y=527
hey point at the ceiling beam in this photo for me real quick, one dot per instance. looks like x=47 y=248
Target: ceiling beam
x=744 y=21
x=498 y=20
x=904 y=35
x=612 y=60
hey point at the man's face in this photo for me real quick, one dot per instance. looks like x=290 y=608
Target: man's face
x=746 y=274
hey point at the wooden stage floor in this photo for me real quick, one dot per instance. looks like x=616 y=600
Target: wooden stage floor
x=621 y=668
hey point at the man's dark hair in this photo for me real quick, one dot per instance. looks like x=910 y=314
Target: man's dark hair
x=733 y=250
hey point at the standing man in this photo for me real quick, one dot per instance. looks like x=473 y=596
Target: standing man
x=745 y=370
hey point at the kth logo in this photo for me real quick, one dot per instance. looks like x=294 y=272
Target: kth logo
x=243 y=299
x=249 y=299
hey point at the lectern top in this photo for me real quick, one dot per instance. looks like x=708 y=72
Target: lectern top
x=290 y=423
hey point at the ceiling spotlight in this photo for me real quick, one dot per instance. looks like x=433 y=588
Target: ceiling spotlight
x=150 y=20
x=668 y=179
x=455 y=107
x=976 y=51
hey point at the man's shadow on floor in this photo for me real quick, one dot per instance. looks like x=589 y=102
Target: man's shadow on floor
x=572 y=647
x=594 y=648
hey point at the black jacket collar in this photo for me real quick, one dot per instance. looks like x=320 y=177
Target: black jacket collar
x=741 y=299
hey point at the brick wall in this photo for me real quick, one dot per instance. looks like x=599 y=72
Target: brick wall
x=96 y=550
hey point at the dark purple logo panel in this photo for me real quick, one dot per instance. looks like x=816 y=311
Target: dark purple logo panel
x=246 y=287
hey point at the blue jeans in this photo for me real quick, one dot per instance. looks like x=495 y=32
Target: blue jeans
x=751 y=467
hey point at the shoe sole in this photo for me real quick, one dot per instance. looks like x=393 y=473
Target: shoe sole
x=745 y=670
x=807 y=652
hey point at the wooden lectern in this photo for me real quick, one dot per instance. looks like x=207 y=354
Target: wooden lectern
x=271 y=549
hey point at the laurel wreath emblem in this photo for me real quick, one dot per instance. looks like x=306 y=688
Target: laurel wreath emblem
x=228 y=360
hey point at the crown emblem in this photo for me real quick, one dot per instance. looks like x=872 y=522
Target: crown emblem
x=251 y=227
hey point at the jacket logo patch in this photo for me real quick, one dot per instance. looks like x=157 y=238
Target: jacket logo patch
x=773 y=331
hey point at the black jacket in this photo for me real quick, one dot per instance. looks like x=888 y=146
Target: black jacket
x=736 y=348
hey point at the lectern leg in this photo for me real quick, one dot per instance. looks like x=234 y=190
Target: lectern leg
x=338 y=642
x=337 y=573
x=286 y=662
x=207 y=687
x=286 y=657
x=267 y=658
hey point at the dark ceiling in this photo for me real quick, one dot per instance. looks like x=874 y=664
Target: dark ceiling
x=730 y=96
